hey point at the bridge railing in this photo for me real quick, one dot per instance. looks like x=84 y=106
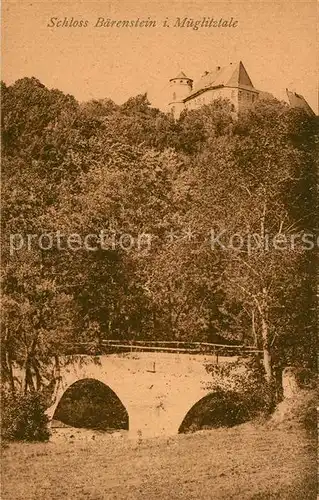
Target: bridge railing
x=117 y=346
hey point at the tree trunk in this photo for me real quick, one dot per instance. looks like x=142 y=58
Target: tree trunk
x=266 y=349
x=25 y=380
x=10 y=373
x=253 y=328
x=267 y=365
x=264 y=310
x=8 y=361
x=265 y=339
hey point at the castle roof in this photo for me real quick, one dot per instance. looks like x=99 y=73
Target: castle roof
x=180 y=76
x=233 y=75
x=298 y=101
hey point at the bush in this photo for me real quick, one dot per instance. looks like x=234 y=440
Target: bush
x=24 y=418
x=310 y=418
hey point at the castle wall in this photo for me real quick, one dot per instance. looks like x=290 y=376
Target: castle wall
x=240 y=98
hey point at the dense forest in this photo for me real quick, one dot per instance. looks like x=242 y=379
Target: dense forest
x=71 y=168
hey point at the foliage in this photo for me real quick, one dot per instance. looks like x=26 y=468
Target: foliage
x=23 y=417
x=131 y=169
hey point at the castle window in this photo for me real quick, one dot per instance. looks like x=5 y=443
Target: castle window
x=233 y=93
x=174 y=96
x=181 y=81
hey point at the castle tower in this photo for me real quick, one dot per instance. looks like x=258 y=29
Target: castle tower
x=180 y=87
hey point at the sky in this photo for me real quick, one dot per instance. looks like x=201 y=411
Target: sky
x=276 y=41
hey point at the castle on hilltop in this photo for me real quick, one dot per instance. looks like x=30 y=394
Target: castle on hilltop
x=230 y=82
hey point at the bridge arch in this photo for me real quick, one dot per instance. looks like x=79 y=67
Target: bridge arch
x=192 y=419
x=215 y=409
x=90 y=403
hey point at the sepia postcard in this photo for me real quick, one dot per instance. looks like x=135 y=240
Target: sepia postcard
x=159 y=250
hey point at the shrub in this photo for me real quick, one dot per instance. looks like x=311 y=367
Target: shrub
x=23 y=417
x=310 y=418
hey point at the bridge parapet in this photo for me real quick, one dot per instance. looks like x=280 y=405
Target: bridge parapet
x=203 y=348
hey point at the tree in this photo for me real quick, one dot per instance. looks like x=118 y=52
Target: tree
x=132 y=171
x=242 y=191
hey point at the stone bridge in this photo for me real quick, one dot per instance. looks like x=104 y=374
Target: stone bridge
x=157 y=388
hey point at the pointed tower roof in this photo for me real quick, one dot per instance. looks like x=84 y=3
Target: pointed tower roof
x=298 y=101
x=181 y=76
x=239 y=77
x=233 y=75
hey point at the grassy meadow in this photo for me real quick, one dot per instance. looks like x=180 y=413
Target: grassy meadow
x=244 y=462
